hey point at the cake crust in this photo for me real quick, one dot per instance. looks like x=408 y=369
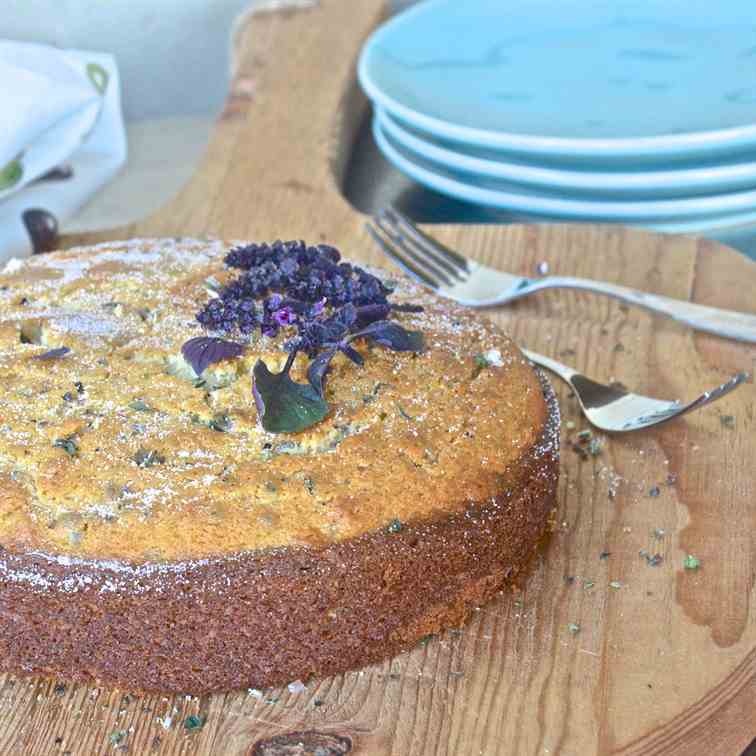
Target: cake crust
x=260 y=620
x=237 y=560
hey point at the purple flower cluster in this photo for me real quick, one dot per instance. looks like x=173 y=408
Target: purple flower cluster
x=329 y=303
x=294 y=283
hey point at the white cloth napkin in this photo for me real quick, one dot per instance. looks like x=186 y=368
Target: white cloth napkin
x=61 y=136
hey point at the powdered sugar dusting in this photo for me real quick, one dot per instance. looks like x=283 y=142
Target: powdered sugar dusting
x=13 y=266
x=549 y=443
x=138 y=446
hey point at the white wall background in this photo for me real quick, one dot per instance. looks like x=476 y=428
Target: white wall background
x=173 y=55
x=174 y=59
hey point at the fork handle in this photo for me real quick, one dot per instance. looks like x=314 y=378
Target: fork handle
x=734 y=325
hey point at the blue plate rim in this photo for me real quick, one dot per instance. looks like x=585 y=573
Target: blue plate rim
x=646 y=181
x=674 y=211
x=669 y=144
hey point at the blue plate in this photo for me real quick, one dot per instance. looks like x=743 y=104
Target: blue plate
x=670 y=181
x=690 y=214
x=644 y=79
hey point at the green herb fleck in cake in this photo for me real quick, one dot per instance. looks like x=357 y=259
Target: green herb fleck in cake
x=68 y=444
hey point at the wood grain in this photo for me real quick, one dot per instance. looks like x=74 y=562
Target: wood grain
x=663 y=664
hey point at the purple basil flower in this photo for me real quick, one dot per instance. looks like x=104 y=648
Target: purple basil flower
x=284 y=316
x=288 y=273
x=273 y=302
x=289 y=266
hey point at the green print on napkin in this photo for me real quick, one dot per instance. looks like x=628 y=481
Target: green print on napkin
x=98 y=76
x=11 y=174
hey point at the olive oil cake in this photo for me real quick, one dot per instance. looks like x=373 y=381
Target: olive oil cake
x=236 y=465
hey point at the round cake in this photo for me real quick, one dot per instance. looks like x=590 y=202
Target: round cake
x=227 y=466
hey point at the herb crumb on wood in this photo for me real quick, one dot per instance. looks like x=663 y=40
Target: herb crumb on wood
x=194 y=722
x=691 y=563
x=148 y=457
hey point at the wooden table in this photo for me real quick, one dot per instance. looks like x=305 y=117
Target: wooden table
x=664 y=663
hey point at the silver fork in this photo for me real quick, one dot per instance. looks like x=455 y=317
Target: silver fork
x=476 y=285
x=612 y=408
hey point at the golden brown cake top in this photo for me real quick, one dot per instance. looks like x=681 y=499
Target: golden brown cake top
x=114 y=451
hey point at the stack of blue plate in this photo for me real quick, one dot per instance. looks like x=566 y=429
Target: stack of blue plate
x=638 y=112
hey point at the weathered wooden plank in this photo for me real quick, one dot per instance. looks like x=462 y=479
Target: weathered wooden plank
x=664 y=663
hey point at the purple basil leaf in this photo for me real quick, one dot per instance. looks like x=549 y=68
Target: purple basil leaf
x=203 y=351
x=283 y=405
x=53 y=354
x=317 y=370
x=352 y=353
x=407 y=308
x=393 y=336
x=345 y=317
x=332 y=329
x=370 y=313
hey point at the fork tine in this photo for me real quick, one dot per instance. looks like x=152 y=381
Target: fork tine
x=419 y=258
x=419 y=275
x=428 y=242
x=718 y=392
x=409 y=236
